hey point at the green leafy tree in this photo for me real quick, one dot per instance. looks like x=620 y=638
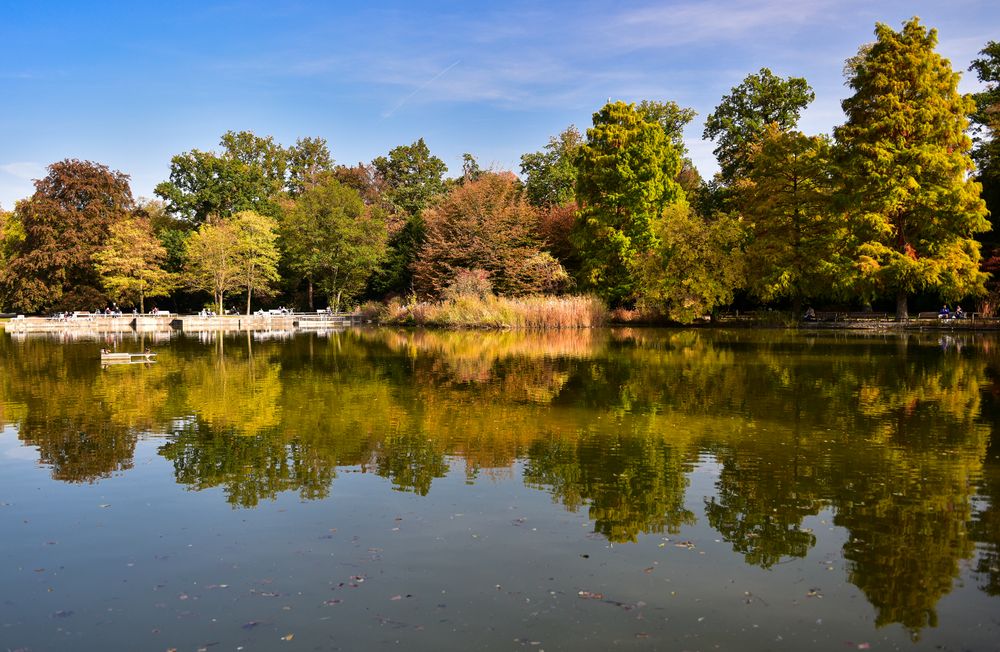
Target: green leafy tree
x=64 y=223
x=11 y=234
x=905 y=157
x=550 y=175
x=625 y=179
x=985 y=127
x=694 y=266
x=795 y=238
x=986 y=155
x=131 y=263
x=333 y=239
x=256 y=253
x=308 y=159
x=410 y=178
x=672 y=117
x=742 y=116
x=488 y=225
x=211 y=263
x=248 y=175
x=258 y=152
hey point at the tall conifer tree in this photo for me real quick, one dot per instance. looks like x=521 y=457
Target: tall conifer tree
x=626 y=178
x=905 y=155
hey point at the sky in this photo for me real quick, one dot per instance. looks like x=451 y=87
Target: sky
x=131 y=84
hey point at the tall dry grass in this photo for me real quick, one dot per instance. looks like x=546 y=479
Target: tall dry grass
x=538 y=312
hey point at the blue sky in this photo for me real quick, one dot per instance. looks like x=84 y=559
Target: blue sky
x=129 y=84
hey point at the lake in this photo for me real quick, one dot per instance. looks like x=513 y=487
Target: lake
x=572 y=490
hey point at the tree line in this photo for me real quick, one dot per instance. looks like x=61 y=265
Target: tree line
x=894 y=204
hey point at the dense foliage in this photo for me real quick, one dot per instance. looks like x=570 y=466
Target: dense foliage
x=888 y=208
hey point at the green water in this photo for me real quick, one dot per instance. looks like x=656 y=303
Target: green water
x=631 y=489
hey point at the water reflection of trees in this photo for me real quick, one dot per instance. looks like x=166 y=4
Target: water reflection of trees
x=631 y=484
x=888 y=432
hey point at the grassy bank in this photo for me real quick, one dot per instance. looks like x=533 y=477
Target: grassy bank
x=540 y=312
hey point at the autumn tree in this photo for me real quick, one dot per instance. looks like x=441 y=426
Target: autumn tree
x=694 y=265
x=334 y=240
x=63 y=224
x=796 y=239
x=211 y=260
x=904 y=152
x=131 y=263
x=742 y=116
x=625 y=179
x=485 y=224
x=410 y=178
x=550 y=186
x=256 y=253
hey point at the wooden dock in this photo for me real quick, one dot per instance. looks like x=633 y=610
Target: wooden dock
x=126 y=358
x=98 y=324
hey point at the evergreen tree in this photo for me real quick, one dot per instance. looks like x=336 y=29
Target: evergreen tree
x=625 y=178
x=904 y=152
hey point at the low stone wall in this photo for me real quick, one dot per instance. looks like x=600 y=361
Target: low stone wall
x=49 y=325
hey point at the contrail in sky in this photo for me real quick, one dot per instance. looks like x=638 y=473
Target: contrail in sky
x=388 y=114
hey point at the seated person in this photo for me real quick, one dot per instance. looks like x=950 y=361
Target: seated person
x=959 y=313
x=810 y=314
x=944 y=313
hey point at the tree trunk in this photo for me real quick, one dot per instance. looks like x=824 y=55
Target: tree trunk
x=901 y=311
x=249 y=292
x=142 y=304
x=309 y=281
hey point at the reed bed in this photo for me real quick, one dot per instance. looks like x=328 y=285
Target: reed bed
x=530 y=313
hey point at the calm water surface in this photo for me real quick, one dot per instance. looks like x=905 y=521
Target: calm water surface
x=633 y=489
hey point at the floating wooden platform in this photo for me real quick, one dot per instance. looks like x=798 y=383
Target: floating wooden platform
x=108 y=358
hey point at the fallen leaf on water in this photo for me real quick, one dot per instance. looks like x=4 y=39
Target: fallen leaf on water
x=288 y=637
x=63 y=613
x=590 y=595
x=649 y=570
x=332 y=602
x=863 y=646
x=250 y=624
x=396 y=597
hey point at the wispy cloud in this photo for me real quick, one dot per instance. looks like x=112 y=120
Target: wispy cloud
x=670 y=25
x=24 y=170
x=400 y=103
